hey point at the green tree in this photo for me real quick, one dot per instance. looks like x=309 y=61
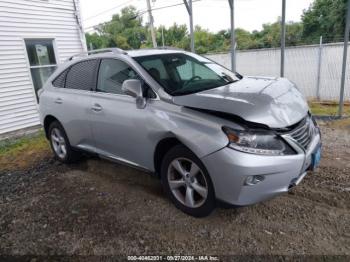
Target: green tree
x=244 y=39
x=270 y=35
x=221 y=41
x=203 y=40
x=294 y=34
x=324 y=18
x=125 y=30
x=176 y=36
x=97 y=41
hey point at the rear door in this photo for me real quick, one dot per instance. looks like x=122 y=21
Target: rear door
x=118 y=125
x=71 y=101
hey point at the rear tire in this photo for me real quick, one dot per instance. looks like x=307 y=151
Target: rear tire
x=60 y=144
x=187 y=182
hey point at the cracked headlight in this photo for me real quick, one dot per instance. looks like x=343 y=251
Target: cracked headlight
x=257 y=142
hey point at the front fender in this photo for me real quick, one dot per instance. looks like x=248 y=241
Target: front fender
x=200 y=132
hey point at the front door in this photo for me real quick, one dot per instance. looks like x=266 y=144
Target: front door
x=118 y=125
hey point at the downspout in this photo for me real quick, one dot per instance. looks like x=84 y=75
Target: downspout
x=80 y=26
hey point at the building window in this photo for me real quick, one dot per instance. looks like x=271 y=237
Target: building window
x=42 y=60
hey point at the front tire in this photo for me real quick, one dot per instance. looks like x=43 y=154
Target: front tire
x=187 y=182
x=60 y=144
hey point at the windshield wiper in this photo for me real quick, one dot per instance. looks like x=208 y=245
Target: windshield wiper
x=231 y=81
x=179 y=92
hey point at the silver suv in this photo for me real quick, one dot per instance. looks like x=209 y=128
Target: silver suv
x=209 y=134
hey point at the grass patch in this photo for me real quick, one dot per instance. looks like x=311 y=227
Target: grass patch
x=24 y=152
x=330 y=109
x=17 y=144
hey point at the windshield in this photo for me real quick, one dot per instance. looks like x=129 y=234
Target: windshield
x=181 y=74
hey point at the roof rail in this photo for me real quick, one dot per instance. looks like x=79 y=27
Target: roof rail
x=160 y=48
x=166 y=48
x=169 y=48
x=99 y=51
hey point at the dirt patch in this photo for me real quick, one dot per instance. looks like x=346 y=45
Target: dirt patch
x=100 y=208
x=340 y=124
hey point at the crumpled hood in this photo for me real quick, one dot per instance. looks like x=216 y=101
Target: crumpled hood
x=274 y=102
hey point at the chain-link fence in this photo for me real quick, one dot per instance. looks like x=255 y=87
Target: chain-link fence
x=316 y=69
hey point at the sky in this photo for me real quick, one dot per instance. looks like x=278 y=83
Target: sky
x=209 y=14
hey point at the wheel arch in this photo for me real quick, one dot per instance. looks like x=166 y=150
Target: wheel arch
x=161 y=149
x=47 y=122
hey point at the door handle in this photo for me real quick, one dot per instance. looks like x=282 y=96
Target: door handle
x=96 y=108
x=59 y=101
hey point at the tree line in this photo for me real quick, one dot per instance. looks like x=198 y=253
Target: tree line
x=126 y=30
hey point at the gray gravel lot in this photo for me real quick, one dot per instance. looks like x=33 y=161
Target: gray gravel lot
x=101 y=208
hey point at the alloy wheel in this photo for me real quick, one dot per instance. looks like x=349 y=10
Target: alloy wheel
x=187 y=182
x=58 y=143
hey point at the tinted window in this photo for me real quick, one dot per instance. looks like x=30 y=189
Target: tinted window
x=82 y=75
x=60 y=80
x=112 y=75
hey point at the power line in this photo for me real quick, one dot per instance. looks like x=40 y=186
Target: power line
x=164 y=7
x=168 y=6
x=142 y=13
x=106 y=11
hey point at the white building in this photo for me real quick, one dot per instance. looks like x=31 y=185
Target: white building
x=35 y=36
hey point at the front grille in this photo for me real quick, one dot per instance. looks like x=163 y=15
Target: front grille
x=303 y=132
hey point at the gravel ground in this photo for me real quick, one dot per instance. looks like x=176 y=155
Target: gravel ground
x=101 y=208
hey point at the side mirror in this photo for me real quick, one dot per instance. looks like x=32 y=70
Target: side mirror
x=133 y=87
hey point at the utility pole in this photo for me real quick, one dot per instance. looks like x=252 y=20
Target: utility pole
x=283 y=36
x=190 y=13
x=345 y=55
x=319 y=64
x=150 y=17
x=233 y=35
x=191 y=26
x=163 y=36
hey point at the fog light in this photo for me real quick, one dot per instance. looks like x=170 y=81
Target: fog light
x=253 y=180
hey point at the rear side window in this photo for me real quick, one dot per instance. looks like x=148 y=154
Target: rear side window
x=82 y=75
x=60 y=80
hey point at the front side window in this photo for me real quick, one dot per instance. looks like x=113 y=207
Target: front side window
x=42 y=60
x=82 y=75
x=181 y=74
x=112 y=74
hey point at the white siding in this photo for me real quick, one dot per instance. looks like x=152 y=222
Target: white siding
x=23 y=19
